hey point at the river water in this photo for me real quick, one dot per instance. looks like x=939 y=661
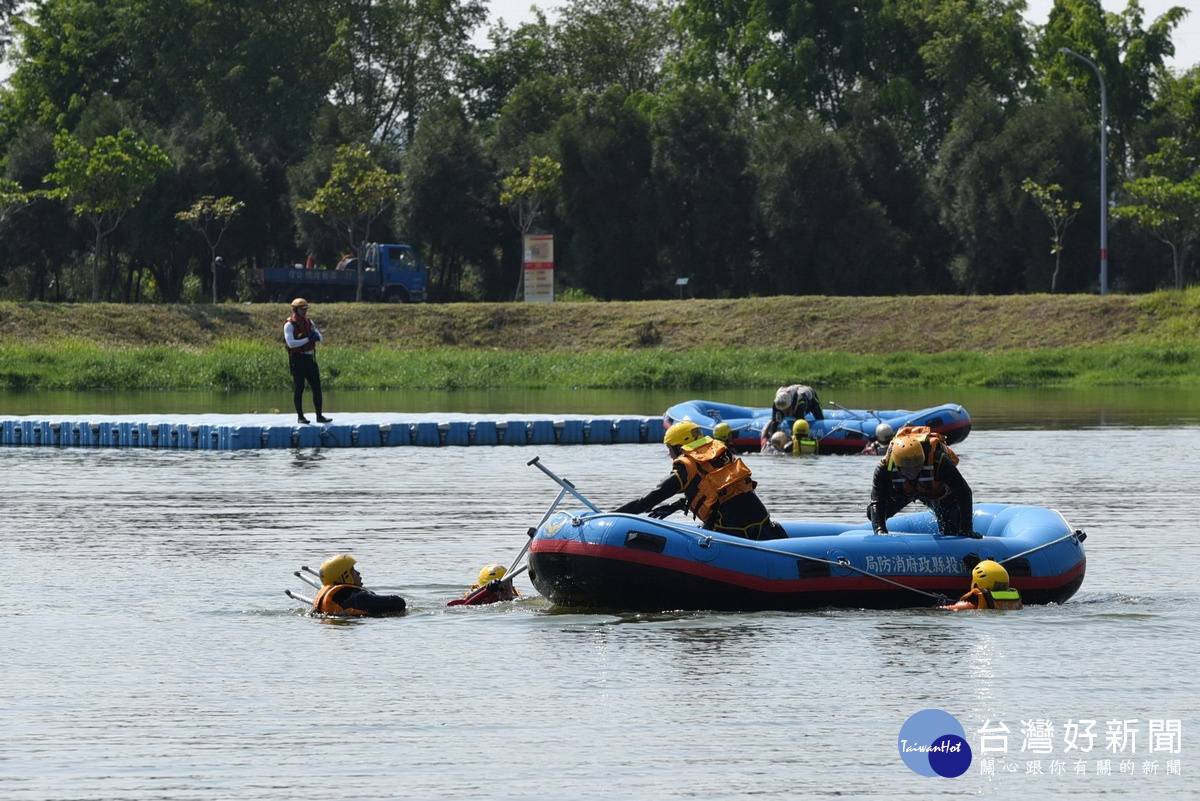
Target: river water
x=149 y=652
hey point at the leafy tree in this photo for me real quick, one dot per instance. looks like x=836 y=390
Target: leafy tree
x=604 y=43
x=513 y=57
x=924 y=56
x=210 y=216
x=527 y=192
x=822 y=235
x=103 y=182
x=1167 y=202
x=262 y=64
x=396 y=58
x=607 y=198
x=451 y=188
x=1058 y=211
x=806 y=55
x=704 y=192
x=1131 y=57
x=977 y=183
x=31 y=258
x=357 y=193
x=12 y=198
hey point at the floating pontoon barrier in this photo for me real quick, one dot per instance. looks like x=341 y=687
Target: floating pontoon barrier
x=236 y=435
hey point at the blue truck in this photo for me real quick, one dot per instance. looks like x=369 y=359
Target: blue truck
x=392 y=273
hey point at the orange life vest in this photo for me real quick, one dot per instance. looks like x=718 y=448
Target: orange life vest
x=988 y=599
x=926 y=483
x=325 y=604
x=301 y=328
x=712 y=475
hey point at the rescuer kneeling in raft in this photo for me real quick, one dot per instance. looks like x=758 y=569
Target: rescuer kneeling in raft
x=919 y=466
x=989 y=590
x=716 y=486
x=343 y=594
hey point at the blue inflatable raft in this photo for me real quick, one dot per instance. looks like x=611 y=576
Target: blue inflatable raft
x=843 y=431
x=608 y=560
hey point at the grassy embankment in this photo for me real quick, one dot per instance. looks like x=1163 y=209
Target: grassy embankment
x=1029 y=340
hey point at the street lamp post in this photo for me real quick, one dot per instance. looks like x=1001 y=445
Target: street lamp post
x=1103 y=168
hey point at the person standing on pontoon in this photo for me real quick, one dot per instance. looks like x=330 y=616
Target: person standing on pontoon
x=301 y=336
x=342 y=593
x=716 y=485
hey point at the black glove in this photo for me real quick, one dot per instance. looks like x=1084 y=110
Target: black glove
x=880 y=526
x=315 y=336
x=494 y=585
x=666 y=510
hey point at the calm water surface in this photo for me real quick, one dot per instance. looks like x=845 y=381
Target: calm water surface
x=148 y=650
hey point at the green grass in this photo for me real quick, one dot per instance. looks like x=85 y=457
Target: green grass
x=243 y=366
x=1070 y=341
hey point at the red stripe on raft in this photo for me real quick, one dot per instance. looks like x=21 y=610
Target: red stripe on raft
x=740 y=579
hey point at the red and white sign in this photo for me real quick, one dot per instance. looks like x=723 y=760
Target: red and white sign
x=539 y=268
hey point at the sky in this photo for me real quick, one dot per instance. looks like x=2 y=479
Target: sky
x=1187 y=34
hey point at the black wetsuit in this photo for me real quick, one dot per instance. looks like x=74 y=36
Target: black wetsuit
x=952 y=509
x=363 y=600
x=742 y=515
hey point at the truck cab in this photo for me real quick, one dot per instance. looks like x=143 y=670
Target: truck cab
x=402 y=276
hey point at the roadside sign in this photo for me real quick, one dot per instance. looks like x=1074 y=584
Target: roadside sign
x=539 y=268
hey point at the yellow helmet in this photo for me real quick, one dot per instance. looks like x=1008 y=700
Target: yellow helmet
x=489 y=573
x=989 y=575
x=681 y=433
x=337 y=569
x=299 y=302
x=779 y=440
x=800 y=428
x=884 y=433
x=907 y=452
x=723 y=432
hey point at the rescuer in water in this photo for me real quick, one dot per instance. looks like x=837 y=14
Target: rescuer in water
x=989 y=589
x=343 y=594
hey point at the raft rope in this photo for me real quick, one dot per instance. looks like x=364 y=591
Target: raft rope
x=1077 y=535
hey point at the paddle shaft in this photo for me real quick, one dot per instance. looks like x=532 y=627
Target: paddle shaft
x=297 y=597
x=849 y=411
x=316 y=585
x=529 y=540
x=562 y=482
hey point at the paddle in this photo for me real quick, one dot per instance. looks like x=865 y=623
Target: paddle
x=849 y=411
x=316 y=585
x=296 y=597
x=566 y=485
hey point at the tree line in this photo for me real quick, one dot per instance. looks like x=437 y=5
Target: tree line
x=850 y=147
